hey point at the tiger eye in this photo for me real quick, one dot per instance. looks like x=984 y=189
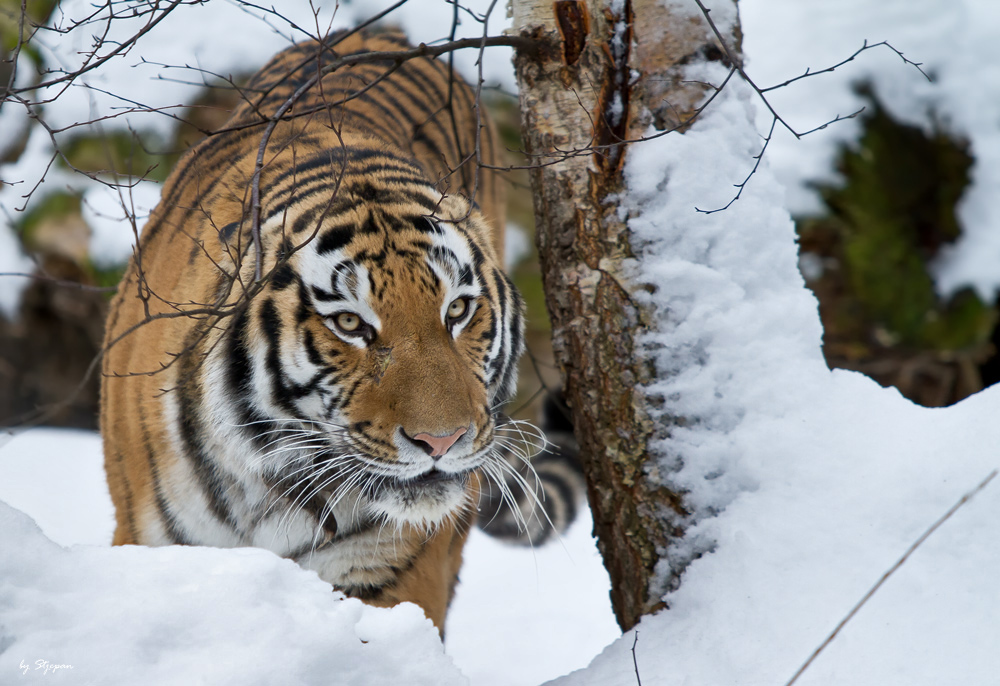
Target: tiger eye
x=457 y=308
x=348 y=321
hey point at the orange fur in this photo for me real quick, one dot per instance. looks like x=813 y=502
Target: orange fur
x=189 y=313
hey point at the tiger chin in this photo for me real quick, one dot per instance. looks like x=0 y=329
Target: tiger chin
x=329 y=389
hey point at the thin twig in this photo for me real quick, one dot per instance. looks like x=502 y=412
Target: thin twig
x=899 y=563
x=120 y=48
x=865 y=46
x=738 y=64
x=743 y=184
x=635 y=662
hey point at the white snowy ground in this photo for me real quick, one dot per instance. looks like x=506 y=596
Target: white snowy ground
x=821 y=479
x=187 y=615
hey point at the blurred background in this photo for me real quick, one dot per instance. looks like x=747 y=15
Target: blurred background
x=880 y=201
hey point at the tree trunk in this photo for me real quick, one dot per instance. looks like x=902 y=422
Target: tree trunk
x=604 y=74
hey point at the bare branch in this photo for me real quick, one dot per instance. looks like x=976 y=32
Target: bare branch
x=758 y=157
x=122 y=47
x=635 y=662
x=899 y=563
x=865 y=46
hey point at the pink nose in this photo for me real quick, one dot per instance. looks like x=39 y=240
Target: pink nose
x=439 y=444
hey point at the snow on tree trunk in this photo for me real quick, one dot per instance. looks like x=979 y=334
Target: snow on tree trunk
x=607 y=73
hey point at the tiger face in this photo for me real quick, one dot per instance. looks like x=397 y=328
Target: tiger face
x=399 y=340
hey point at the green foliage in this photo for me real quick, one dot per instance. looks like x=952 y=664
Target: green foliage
x=106 y=277
x=38 y=12
x=56 y=207
x=507 y=115
x=528 y=280
x=893 y=213
x=118 y=152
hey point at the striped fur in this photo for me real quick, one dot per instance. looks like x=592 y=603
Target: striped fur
x=300 y=413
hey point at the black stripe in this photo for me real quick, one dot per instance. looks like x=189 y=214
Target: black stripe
x=366 y=592
x=239 y=380
x=271 y=326
x=348 y=394
x=421 y=101
x=227 y=231
x=284 y=391
x=174 y=532
x=306 y=219
x=303 y=187
x=192 y=435
x=322 y=161
x=206 y=155
x=312 y=352
x=509 y=355
x=283 y=276
x=499 y=279
x=334 y=239
x=325 y=296
x=566 y=491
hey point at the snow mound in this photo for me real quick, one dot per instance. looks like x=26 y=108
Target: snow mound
x=181 y=615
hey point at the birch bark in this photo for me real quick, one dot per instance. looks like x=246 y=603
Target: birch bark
x=604 y=73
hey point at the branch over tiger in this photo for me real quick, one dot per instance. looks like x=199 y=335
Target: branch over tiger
x=345 y=408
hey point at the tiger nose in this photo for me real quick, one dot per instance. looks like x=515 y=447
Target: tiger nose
x=436 y=446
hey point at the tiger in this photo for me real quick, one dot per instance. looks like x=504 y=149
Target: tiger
x=314 y=342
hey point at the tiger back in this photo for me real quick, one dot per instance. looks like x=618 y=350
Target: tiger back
x=329 y=388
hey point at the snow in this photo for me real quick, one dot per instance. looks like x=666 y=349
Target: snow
x=796 y=554
x=782 y=38
x=108 y=211
x=202 y=615
x=545 y=612
x=517 y=246
x=58 y=477
x=12 y=261
x=134 y=615
x=137 y=615
x=12 y=123
x=723 y=13
x=430 y=22
x=188 y=38
x=19 y=178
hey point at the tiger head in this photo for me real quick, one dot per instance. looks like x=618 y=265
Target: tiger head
x=390 y=337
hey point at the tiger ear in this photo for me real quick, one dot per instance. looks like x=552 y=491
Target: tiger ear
x=475 y=221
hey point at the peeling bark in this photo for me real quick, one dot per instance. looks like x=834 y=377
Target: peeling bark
x=602 y=76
